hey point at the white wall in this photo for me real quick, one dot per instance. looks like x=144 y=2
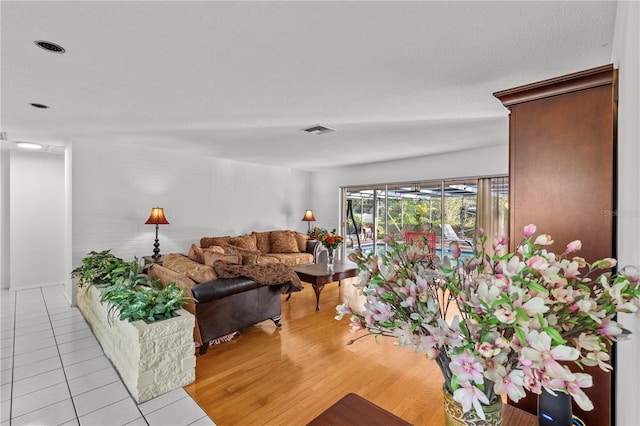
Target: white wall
x=4 y=219
x=626 y=50
x=472 y=163
x=36 y=217
x=69 y=285
x=115 y=187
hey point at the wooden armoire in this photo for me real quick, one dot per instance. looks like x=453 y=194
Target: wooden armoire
x=562 y=178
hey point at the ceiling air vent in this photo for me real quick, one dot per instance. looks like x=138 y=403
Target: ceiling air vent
x=54 y=149
x=319 y=130
x=51 y=47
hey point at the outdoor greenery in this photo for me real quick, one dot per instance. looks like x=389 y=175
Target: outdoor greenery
x=412 y=214
x=130 y=293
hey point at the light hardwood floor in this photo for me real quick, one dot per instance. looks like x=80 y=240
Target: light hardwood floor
x=288 y=376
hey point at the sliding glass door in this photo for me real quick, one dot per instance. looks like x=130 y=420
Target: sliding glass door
x=361 y=217
x=452 y=209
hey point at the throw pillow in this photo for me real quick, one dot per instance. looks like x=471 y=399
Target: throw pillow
x=283 y=242
x=214 y=241
x=215 y=249
x=262 y=241
x=302 y=239
x=194 y=270
x=196 y=254
x=265 y=260
x=249 y=257
x=245 y=241
x=175 y=262
x=211 y=257
x=201 y=273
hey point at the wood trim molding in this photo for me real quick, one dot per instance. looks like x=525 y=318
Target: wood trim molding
x=581 y=80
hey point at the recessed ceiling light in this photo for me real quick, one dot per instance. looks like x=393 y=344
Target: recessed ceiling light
x=319 y=130
x=29 y=145
x=41 y=106
x=49 y=46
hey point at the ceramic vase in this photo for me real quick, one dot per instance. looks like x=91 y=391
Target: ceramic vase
x=454 y=416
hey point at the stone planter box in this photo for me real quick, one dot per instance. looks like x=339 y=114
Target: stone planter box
x=151 y=359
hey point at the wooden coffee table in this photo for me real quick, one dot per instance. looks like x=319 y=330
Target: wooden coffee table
x=319 y=274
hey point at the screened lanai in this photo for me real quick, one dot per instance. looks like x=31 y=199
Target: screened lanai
x=452 y=209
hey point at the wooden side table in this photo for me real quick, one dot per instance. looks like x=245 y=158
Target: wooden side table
x=148 y=260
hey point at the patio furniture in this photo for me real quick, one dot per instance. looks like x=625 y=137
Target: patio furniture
x=418 y=238
x=450 y=235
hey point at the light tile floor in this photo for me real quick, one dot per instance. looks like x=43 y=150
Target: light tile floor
x=55 y=373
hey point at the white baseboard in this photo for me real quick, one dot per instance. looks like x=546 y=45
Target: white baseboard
x=32 y=286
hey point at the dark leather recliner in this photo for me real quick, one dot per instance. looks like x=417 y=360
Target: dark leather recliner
x=230 y=304
x=224 y=305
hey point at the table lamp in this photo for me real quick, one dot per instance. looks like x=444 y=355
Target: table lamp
x=308 y=217
x=156 y=218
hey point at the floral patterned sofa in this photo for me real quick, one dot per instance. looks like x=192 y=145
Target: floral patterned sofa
x=283 y=246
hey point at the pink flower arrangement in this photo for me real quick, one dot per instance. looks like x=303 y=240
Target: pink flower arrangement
x=519 y=317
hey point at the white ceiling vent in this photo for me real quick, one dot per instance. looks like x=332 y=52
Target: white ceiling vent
x=319 y=130
x=55 y=149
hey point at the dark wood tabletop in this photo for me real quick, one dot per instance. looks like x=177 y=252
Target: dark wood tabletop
x=320 y=274
x=352 y=409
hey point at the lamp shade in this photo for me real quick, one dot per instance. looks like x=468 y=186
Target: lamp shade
x=157 y=217
x=308 y=216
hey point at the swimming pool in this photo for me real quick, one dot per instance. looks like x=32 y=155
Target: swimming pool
x=367 y=248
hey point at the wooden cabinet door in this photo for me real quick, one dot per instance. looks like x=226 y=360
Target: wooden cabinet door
x=562 y=179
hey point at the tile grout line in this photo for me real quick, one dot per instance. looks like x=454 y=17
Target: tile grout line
x=84 y=360
x=108 y=405
x=85 y=375
x=13 y=354
x=39 y=408
x=64 y=372
x=66 y=380
x=167 y=405
x=36 y=375
x=98 y=387
x=197 y=420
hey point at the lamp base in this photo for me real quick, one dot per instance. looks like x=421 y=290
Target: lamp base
x=156 y=247
x=156 y=250
x=149 y=260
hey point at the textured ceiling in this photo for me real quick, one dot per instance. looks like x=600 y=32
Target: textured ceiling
x=239 y=80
